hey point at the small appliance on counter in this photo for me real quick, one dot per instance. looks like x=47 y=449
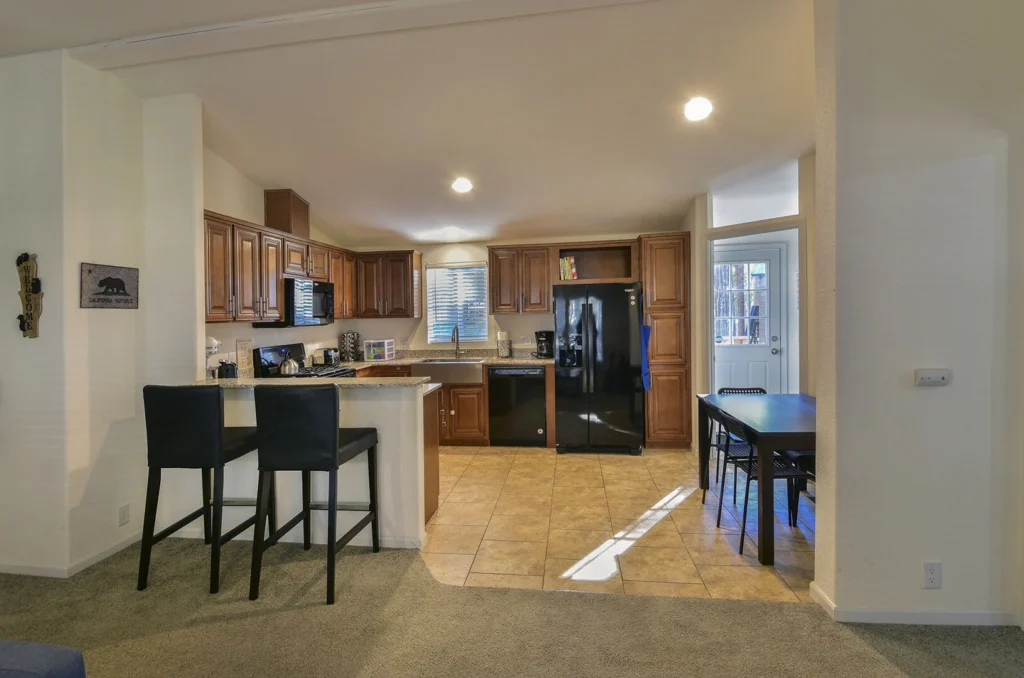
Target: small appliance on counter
x=331 y=356
x=227 y=370
x=504 y=345
x=545 y=344
x=287 y=361
x=348 y=346
x=379 y=349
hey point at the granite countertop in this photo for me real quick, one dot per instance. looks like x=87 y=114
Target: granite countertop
x=343 y=382
x=401 y=362
x=431 y=387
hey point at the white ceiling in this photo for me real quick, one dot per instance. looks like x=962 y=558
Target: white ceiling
x=569 y=123
x=36 y=25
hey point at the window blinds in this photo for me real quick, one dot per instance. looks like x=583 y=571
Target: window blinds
x=456 y=295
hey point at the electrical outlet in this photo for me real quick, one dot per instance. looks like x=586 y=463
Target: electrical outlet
x=124 y=515
x=525 y=340
x=932 y=575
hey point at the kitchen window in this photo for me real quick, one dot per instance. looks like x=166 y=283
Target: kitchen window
x=456 y=295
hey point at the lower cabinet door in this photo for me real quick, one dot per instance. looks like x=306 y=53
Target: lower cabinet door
x=669 y=407
x=431 y=461
x=467 y=413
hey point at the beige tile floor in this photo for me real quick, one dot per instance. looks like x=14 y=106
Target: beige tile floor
x=529 y=518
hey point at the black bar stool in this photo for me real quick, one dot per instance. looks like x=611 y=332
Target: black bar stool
x=185 y=429
x=298 y=430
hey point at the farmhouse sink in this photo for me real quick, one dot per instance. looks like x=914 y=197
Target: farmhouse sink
x=450 y=370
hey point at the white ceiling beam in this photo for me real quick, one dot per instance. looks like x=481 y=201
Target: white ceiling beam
x=373 y=17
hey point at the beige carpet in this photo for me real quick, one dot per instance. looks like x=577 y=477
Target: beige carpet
x=393 y=619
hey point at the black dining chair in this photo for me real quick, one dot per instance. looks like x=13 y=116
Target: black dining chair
x=749 y=463
x=738 y=449
x=185 y=430
x=298 y=430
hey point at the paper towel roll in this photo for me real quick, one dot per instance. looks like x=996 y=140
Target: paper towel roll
x=502 y=336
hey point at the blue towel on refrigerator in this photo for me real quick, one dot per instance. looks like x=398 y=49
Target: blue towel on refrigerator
x=645 y=367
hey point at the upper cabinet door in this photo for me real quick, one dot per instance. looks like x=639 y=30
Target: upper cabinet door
x=218 y=271
x=295 y=258
x=319 y=263
x=666 y=271
x=398 y=294
x=248 y=286
x=349 y=276
x=535 y=277
x=272 y=275
x=504 y=280
x=337 y=276
x=369 y=286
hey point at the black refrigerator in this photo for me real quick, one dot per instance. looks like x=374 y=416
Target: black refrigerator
x=599 y=392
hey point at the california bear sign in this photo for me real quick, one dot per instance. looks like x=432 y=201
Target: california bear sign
x=109 y=286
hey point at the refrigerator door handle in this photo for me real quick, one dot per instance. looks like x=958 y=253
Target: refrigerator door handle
x=585 y=346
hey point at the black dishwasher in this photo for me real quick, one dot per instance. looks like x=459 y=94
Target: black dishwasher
x=516 y=406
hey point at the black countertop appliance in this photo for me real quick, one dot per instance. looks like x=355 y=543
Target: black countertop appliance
x=599 y=392
x=545 y=344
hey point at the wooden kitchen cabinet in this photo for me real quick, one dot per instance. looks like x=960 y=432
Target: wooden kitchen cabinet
x=388 y=285
x=535 y=280
x=218 y=271
x=272 y=276
x=377 y=371
x=319 y=262
x=336 y=275
x=295 y=258
x=666 y=274
x=668 y=407
x=466 y=414
x=247 y=281
x=666 y=266
x=348 y=274
x=519 y=279
x=285 y=210
x=503 y=271
x=369 y=285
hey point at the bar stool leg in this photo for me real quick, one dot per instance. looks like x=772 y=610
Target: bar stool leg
x=306 y=511
x=371 y=461
x=332 y=531
x=149 y=525
x=272 y=510
x=262 y=505
x=218 y=514
x=206 y=504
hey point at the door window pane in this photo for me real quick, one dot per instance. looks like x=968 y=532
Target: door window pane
x=741 y=304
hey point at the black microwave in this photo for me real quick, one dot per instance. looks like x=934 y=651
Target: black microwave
x=306 y=303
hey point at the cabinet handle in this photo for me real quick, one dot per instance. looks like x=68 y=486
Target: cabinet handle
x=231 y=306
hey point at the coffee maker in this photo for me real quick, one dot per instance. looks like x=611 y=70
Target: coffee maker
x=545 y=344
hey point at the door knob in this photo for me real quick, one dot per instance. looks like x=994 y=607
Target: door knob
x=775 y=351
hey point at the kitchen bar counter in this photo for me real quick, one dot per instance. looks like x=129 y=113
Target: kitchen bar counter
x=489 y=362
x=393 y=406
x=342 y=382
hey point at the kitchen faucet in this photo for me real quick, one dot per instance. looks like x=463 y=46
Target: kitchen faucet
x=455 y=340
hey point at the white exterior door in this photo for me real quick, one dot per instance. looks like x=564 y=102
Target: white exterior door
x=747 y=326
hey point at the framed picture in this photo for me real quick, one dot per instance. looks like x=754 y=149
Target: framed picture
x=109 y=286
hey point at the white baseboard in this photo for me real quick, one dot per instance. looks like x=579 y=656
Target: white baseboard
x=818 y=596
x=919 y=617
x=83 y=563
x=34 y=571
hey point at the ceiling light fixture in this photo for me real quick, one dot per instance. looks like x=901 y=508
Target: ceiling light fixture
x=697 y=109
x=462 y=185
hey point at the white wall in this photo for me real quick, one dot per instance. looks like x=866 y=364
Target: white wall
x=227 y=191
x=917 y=246
x=102 y=215
x=767 y=193
x=33 y=490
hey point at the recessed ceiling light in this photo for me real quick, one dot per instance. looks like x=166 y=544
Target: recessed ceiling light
x=462 y=185
x=697 y=108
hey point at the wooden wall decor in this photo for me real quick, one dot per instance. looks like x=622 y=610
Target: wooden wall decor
x=31 y=296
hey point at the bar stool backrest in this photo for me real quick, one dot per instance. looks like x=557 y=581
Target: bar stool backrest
x=184 y=426
x=742 y=390
x=297 y=427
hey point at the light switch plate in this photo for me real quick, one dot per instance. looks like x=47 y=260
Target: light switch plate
x=932 y=377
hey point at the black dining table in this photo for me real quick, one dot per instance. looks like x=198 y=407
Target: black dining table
x=772 y=422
